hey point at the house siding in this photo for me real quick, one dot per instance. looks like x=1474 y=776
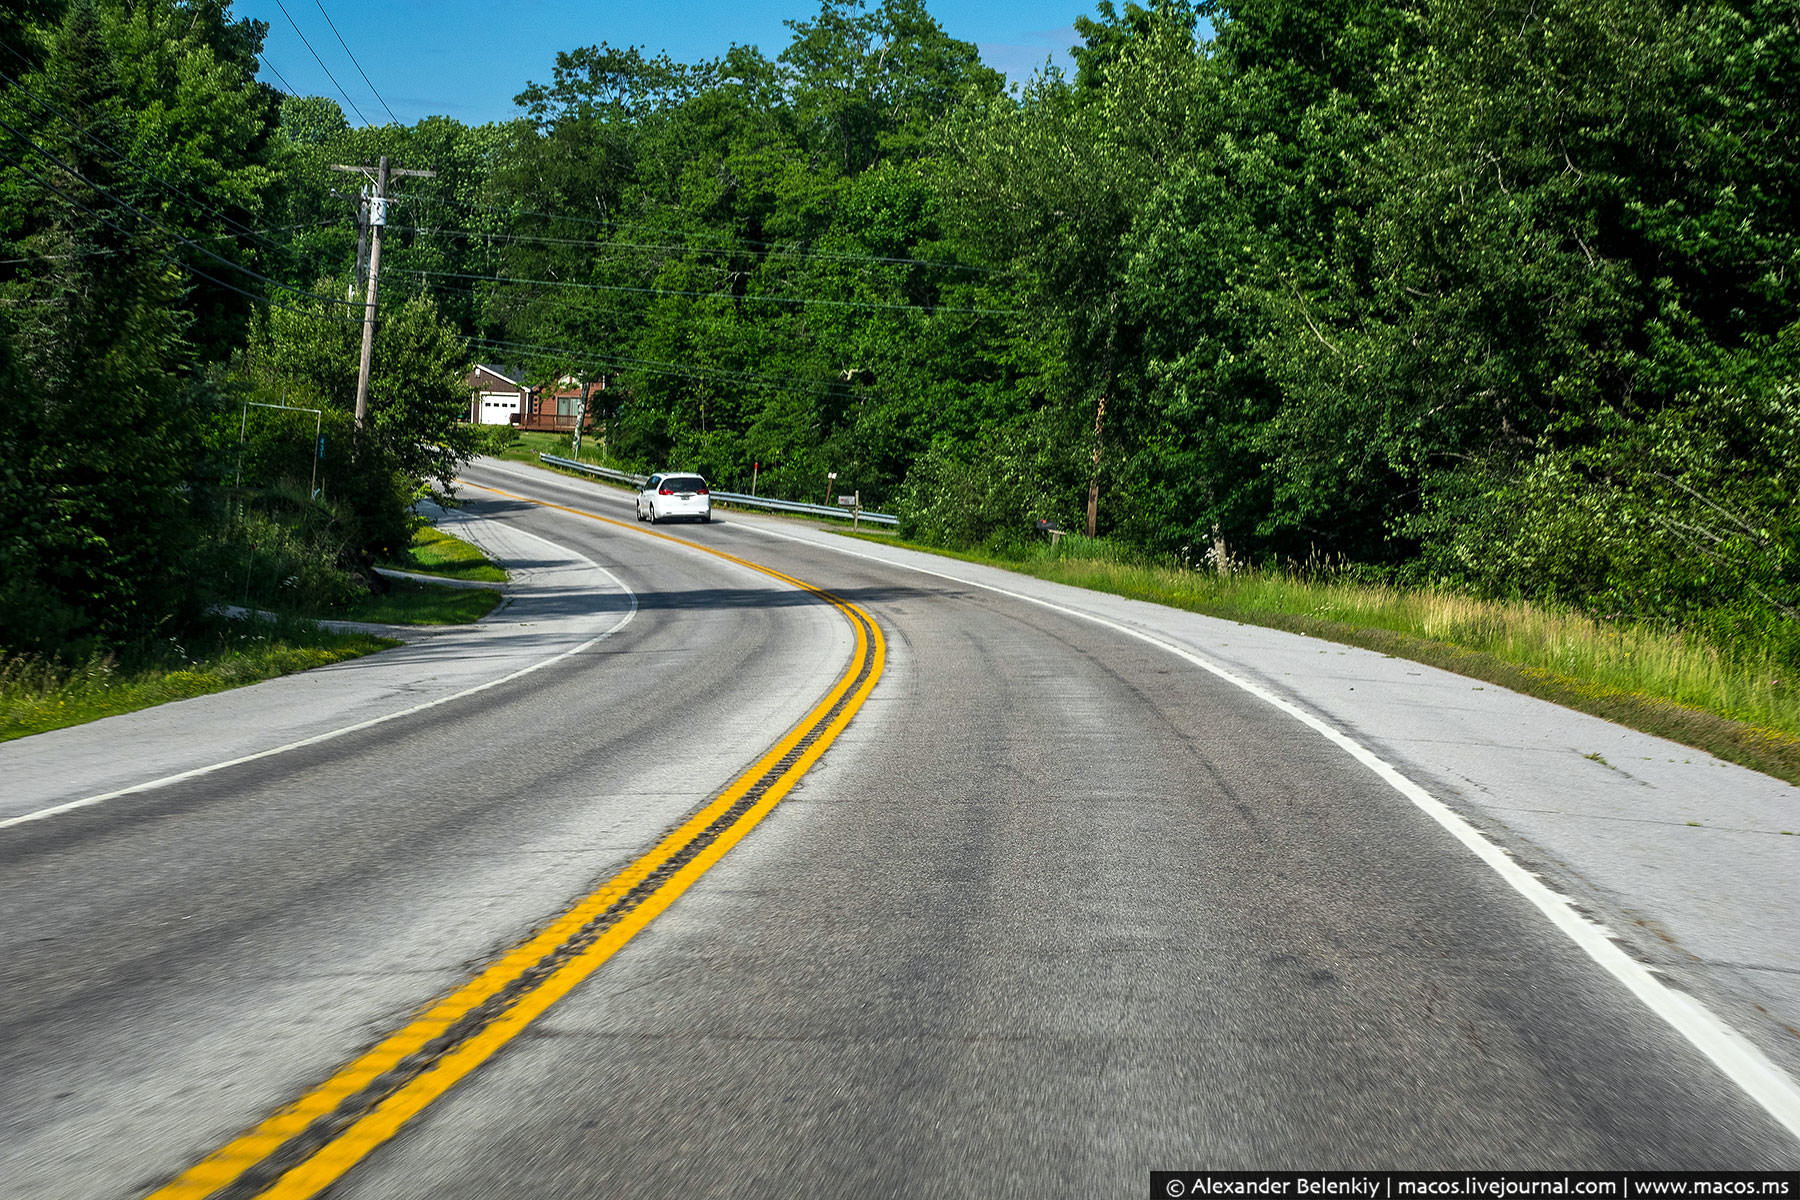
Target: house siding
x=493 y=398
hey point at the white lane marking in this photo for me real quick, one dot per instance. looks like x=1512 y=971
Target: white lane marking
x=196 y=772
x=1729 y=1050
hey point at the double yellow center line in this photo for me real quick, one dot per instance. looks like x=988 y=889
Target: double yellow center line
x=309 y=1145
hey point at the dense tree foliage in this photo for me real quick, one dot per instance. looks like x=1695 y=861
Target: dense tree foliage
x=103 y=310
x=1500 y=295
x=143 y=168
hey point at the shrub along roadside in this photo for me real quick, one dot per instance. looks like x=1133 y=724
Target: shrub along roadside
x=38 y=694
x=494 y=439
x=1736 y=702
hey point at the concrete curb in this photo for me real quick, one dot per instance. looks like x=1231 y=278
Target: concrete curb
x=439 y=580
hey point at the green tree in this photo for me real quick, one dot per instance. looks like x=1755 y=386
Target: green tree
x=1106 y=40
x=312 y=120
x=872 y=81
x=101 y=444
x=417 y=398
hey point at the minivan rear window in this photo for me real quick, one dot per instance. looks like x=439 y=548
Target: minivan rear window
x=684 y=483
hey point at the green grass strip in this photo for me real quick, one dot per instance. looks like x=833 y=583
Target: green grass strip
x=407 y=602
x=36 y=697
x=434 y=552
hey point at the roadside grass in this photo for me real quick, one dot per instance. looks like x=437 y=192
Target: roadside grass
x=407 y=602
x=530 y=445
x=220 y=652
x=434 y=552
x=38 y=695
x=1738 y=704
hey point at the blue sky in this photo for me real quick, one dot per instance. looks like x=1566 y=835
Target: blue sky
x=468 y=58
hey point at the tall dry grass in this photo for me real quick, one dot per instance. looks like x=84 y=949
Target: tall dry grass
x=1588 y=654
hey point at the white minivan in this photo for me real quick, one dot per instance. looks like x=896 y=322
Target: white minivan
x=674 y=495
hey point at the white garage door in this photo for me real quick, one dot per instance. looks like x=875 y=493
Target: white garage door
x=498 y=409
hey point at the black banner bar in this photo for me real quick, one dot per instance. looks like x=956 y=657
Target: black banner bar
x=1477 y=1185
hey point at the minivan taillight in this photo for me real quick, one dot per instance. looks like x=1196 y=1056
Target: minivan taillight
x=701 y=492
x=665 y=490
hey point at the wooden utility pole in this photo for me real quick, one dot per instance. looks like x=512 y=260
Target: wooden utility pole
x=377 y=221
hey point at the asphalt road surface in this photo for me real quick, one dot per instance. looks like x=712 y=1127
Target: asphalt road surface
x=1052 y=911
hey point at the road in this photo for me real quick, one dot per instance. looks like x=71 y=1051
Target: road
x=1054 y=909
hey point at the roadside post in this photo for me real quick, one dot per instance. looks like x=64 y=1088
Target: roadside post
x=580 y=413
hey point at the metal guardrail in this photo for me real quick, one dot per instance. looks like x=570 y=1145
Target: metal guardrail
x=793 y=506
x=591 y=469
x=815 y=510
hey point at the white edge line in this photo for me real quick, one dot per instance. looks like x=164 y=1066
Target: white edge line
x=1729 y=1050
x=315 y=739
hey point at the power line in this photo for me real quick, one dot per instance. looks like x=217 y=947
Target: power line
x=775 y=251
x=353 y=62
x=785 y=248
x=123 y=158
x=147 y=219
x=277 y=74
x=748 y=378
x=166 y=257
x=322 y=66
x=773 y=247
x=801 y=300
x=752 y=378
x=209 y=237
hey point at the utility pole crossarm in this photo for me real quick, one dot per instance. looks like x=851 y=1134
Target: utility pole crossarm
x=352 y=169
